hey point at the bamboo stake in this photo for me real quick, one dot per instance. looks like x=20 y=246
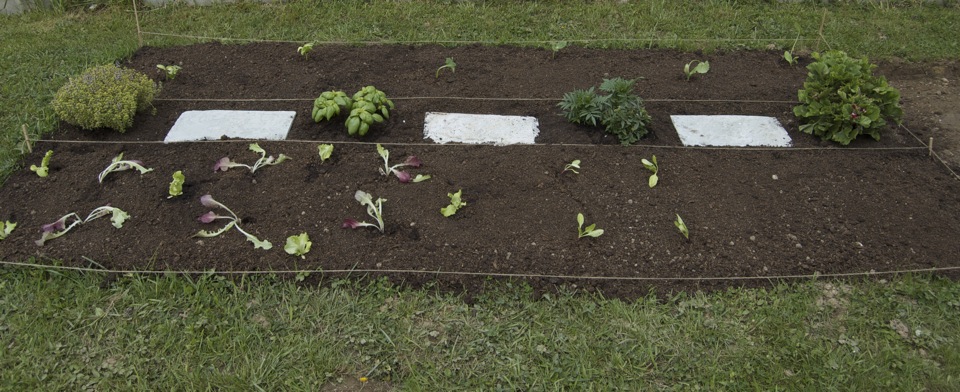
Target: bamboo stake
x=931 y=147
x=823 y=21
x=136 y=17
x=26 y=138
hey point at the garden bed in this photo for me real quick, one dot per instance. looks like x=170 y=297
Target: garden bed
x=766 y=212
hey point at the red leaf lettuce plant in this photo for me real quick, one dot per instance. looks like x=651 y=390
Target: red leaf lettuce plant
x=60 y=226
x=118 y=164
x=225 y=163
x=234 y=221
x=374 y=209
x=404 y=177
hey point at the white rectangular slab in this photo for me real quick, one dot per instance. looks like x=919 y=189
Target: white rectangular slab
x=239 y=124
x=480 y=128
x=739 y=131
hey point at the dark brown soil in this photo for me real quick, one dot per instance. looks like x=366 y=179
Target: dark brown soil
x=750 y=212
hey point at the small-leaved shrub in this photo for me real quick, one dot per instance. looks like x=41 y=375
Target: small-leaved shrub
x=841 y=99
x=106 y=96
x=620 y=111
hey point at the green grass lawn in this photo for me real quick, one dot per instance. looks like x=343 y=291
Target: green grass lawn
x=64 y=330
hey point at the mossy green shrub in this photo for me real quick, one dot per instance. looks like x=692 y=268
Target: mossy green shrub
x=620 y=111
x=106 y=96
x=842 y=99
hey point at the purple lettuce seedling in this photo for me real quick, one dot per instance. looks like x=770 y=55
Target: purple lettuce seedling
x=374 y=209
x=6 y=228
x=225 y=163
x=234 y=221
x=118 y=164
x=404 y=177
x=60 y=226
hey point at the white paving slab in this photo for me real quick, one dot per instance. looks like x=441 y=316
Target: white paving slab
x=480 y=128
x=739 y=131
x=240 y=124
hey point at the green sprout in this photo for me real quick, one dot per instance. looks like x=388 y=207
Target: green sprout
x=701 y=68
x=325 y=151
x=170 y=70
x=682 y=227
x=305 y=50
x=456 y=203
x=789 y=57
x=557 y=46
x=43 y=170
x=590 y=231
x=572 y=166
x=6 y=228
x=447 y=64
x=652 y=166
x=176 y=186
x=298 y=245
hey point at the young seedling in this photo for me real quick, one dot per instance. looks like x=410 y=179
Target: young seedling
x=447 y=64
x=557 y=46
x=60 y=226
x=374 y=209
x=170 y=70
x=225 y=163
x=44 y=169
x=298 y=245
x=590 y=231
x=572 y=167
x=682 y=227
x=325 y=150
x=456 y=203
x=653 y=167
x=305 y=50
x=702 y=67
x=118 y=164
x=6 y=228
x=233 y=221
x=421 y=178
x=176 y=186
x=404 y=177
x=788 y=56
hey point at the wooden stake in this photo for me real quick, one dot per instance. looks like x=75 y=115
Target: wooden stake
x=823 y=21
x=136 y=17
x=26 y=138
x=931 y=146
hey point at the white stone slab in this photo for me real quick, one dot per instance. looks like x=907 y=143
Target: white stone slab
x=240 y=124
x=480 y=128
x=740 y=131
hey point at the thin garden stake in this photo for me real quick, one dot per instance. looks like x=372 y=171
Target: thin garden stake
x=930 y=153
x=136 y=17
x=823 y=21
x=26 y=138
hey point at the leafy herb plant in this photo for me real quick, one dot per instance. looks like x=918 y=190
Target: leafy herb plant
x=842 y=99
x=374 y=209
x=104 y=97
x=305 y=50
x=702 y=67
x=448 y=64
x=456 y=203
x=225 y=163
x=43 y=170
x=325 y=151
x=176 y=186
x=572 y=167
x=6 y=227
x=620 y=111
x=370 y=106
x=232 y=221
x=298 y=245
x=170 y=70
x=328 y=105
x=119 y=164
x=60 y=227
x=682 y=227
x=653 y=167
x=589 y=231
x=403 y=176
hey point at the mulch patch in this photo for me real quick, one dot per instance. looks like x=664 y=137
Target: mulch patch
x=762 y=212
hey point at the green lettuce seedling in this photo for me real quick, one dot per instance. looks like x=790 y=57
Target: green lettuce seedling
x=43 y=170
x=557 y=46
x=652 y=166
x=305 y=50
x=421 y=178
x=590 y=231
x=118 y=164
x=572 y=166
x=682 y=227
x=325 y=150
x=225 y=163
x=60 y=226
x=374 y=209
x=170 y=70
x=298 y=245
x=789 y=58
x=701 y=68
x=6 y=228
x=448 y=64
x=456 y=203
x=234 y=221
x=176 y=186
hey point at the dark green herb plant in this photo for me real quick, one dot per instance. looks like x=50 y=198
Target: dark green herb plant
x=842 y=99
x=448 y=64
x=328 y=105
x=620 y=111
x=367 y=107
x=106 y=96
